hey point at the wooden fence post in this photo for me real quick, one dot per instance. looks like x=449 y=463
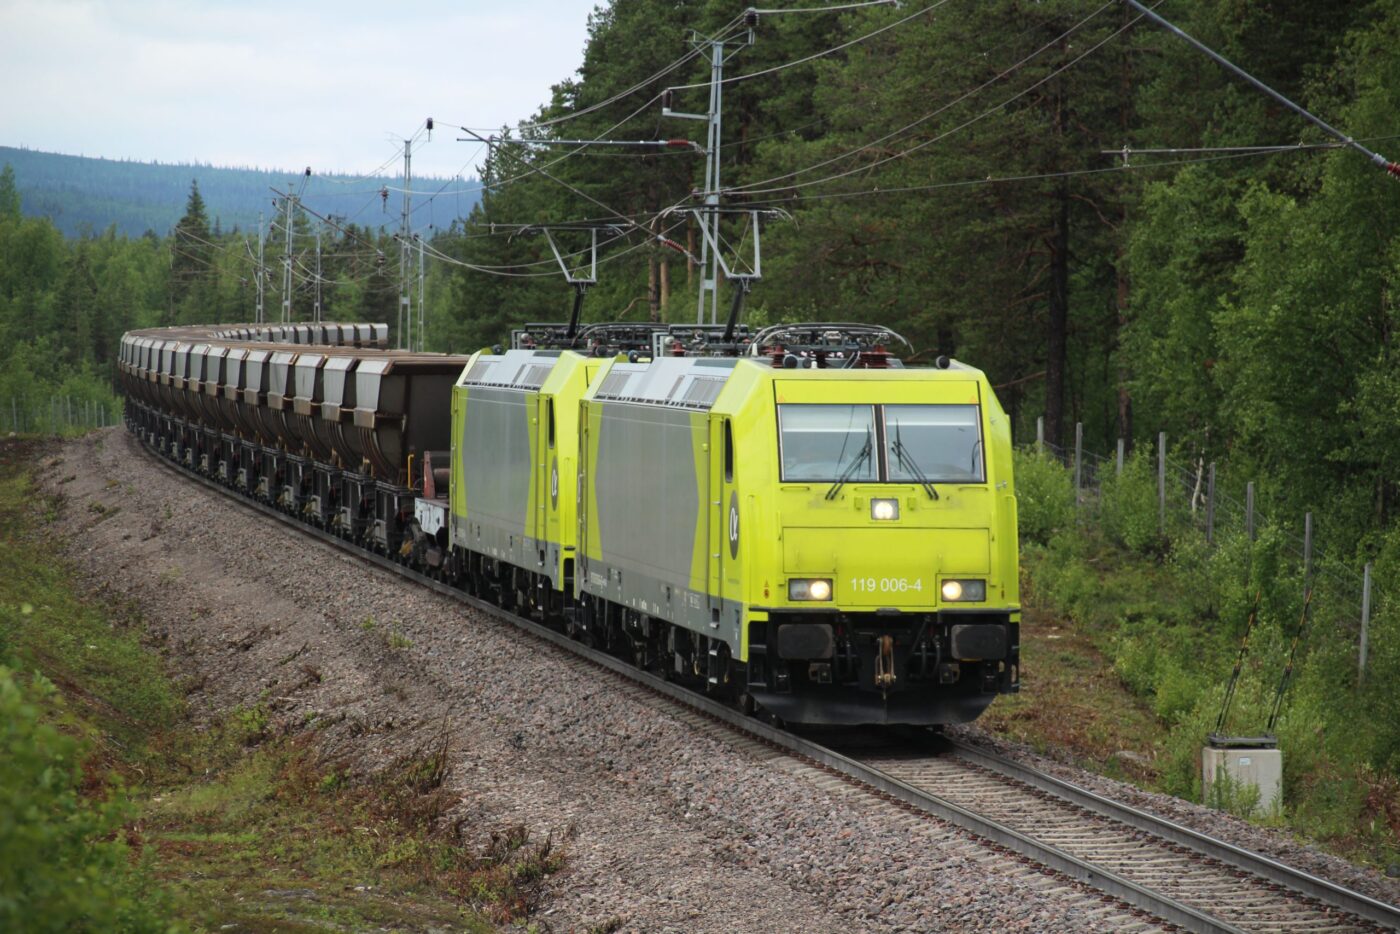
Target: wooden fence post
x=1249 y=509
x=1307 y=551
x=1162 y=482
x=1078 y=458
x=1365 y=621
x=1210 y=505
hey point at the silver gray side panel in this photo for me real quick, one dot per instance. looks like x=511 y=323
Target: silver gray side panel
x=495 y=454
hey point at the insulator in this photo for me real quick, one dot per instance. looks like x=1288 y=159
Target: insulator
x=750 y=17
x=430 y=124
x=666 y=97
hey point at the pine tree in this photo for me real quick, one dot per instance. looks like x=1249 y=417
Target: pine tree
x=191 y=247
x=9 y=194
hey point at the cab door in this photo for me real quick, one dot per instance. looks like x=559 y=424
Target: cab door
x=723 y=503
x=719 y=531
x=543 y=456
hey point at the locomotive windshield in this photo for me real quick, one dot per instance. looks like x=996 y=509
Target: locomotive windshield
x=828 y=442
x=943 y=443
x=919 y=443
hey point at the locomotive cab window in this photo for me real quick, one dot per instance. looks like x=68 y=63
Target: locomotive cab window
x=827 y=443
x=880 y=444
x=942 y=443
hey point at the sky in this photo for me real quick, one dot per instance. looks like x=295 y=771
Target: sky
x=336 y=85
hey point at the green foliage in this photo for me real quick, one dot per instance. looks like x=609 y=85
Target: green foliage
x=9 y=194
x=1044 y=496
x=1236 y=797
x=1129 y=505
x=63 y=864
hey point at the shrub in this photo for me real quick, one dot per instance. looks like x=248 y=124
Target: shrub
x=1044 y=496
x=1129 y=506
x=63 y=865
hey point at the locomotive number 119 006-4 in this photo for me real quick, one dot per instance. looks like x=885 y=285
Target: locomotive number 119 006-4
x=887 y=585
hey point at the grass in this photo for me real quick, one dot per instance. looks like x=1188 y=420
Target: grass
x=1070 y=700
x=239 y=824
x=115 y=688
x=377 y=853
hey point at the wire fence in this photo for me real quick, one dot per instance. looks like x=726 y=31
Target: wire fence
x=56 y=414
x=1192 y=494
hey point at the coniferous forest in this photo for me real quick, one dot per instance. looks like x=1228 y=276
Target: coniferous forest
x=1119 y=232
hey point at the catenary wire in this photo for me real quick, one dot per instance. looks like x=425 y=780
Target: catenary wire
x=754 y=187
x=1045 y=176
x=816 y=55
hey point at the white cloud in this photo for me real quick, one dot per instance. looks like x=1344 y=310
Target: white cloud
x=276 y=84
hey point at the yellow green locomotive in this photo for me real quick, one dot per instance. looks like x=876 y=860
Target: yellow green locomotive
x=791 y=520
x=829 y=541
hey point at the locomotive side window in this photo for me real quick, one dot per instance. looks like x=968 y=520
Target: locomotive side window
x=943 y=443
x=728 y=452
x=549 y=414
x=828 y=443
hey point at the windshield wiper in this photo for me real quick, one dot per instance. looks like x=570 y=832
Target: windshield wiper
x=862 y=456
x=906 y=460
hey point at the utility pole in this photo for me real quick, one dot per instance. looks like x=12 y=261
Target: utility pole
x=709 y=276
x=421 y=331
x=261 y=238
x=709 y=256
x=288 y=203
x=405 y=261
x=316 y=308
x=290 y=200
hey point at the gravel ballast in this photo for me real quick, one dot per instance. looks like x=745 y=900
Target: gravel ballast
x=669 y=823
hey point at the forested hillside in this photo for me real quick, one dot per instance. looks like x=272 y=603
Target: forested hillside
x=84 y=195
x=956 y=171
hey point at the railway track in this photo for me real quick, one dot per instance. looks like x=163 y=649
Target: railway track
x=1237 y=889
x=1160 y=870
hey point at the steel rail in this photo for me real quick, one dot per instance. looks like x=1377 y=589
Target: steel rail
x=1296 y=880
x=982 y=828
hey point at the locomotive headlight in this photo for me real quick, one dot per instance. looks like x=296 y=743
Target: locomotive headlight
x=884 y=509
x=818 y=589
x=964 y=591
